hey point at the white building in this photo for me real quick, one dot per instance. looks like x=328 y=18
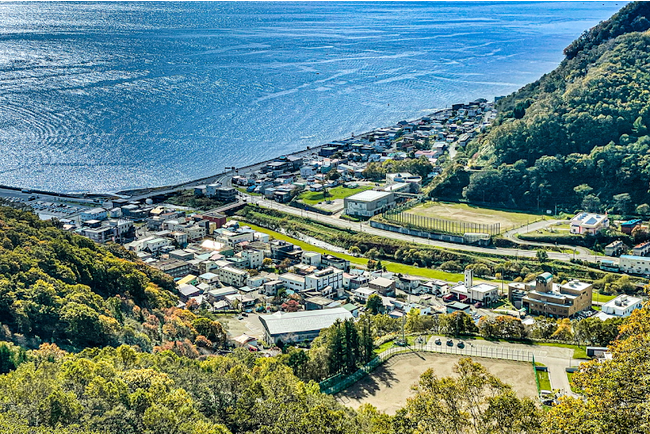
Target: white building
x=293 y=281
x=232 y=276
x=328 y=277
x=635 y=264
x=254 y=258
x=368 y=203
x=620 y=307
x=363 y=294
x=93 y=214
x=311 y=258
x=588 y=223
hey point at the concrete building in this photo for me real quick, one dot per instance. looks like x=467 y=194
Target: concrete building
x=620 y=307
x=293 y=281
x=254 y=258
x=615 y=248
x=290 y=327
x=383 y=286
x=635 y=264
x=232 y=276
x=328 y=277
x=368 y=203
x=93 y=214
x=311 y=258
x=642 y=249
x=588 y=223
x=173 y=267
x=557 y=300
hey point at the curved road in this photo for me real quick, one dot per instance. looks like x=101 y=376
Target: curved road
x=512 y=236
x=366 y=228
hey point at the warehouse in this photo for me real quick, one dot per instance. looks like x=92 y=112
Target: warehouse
x=290 y=327
x=368 y=203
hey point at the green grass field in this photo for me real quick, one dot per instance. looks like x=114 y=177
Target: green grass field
x=340 y=192
x=544 y=381
x=462 y=212
x=602 y=298
x=390 y=266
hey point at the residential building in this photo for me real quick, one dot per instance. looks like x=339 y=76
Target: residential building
x=642 y=249
x=293 y=281
x=282 y=249
x=93 y=214
x=557 y=300
x=173 y=267
x=319 y=302
x=628 y=226
x=363 y=294
x=368 y=203
x=588 y=223
x=291 y=327
x=232 y=276
x=336 y=262
x=328 y=277
x=635 y=264
x=615 y=248
x=254 y=258
x=188 y=291
x=311 y=258
x=383 y=286
x=271 y=287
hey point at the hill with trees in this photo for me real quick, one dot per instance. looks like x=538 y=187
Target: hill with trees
x=62 y=288
x=575 y=138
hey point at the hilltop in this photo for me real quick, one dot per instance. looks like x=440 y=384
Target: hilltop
x=577 y=137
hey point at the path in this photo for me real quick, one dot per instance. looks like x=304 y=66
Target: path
x=366 y=228
x=512 y=236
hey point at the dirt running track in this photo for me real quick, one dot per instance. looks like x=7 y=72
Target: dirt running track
x=388 y=386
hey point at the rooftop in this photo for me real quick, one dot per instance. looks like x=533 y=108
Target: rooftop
x=303 y=321
x=369 y=196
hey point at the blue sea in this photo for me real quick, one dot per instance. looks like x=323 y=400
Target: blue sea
x=103 y=97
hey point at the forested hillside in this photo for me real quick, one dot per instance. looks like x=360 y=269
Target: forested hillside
x=577 y=137
x=63 y=288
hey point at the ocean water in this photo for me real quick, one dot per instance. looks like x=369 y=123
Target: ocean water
x=103 y=97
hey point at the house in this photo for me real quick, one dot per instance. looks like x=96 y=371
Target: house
x=642 y=249
x=245 y=341
x=219 y=294
x=368 y=203
x=363 y=294
x=254 y=258
x=557 y=300
x=635 y=264
x=291 y=327
x=209 y=278
x=436 y=287
x=270 y=288
x=319 y=302
x=588 y=223
x=409 y=284
x=457 y=306
x=615 y=248
x=383 y=286
x=628 y=226
x=188 y=291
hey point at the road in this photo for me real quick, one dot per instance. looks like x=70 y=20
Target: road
x=512 y=236
x=366 y=228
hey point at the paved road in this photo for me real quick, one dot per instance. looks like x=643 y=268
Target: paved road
x=512 y=236
x=366 y=228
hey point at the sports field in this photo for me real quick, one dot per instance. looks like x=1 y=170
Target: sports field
x=388 y=386
x=462 y=212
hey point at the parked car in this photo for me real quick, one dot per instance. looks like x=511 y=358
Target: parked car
x=450 y=343
x=438 y=341
x=460 y=345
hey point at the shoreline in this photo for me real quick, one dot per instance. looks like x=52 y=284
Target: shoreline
x=143 y=192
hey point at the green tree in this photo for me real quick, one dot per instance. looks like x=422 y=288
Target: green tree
x=374 y=305
x=541 y=255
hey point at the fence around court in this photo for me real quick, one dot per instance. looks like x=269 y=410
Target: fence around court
x=401 y=217
x=339 y=382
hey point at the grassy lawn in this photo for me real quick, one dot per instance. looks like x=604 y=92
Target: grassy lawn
x=390 y=266
x=474 y=214
x=544 y=381
x=602 y=298
x=340 y=192
x=243 y=190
